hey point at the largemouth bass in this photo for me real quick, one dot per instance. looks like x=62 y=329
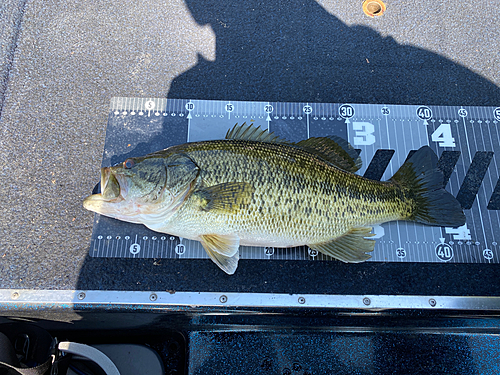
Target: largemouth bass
x=256 y=189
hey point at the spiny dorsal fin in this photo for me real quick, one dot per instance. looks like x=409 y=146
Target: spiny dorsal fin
x=251 y=133
x=335 y=150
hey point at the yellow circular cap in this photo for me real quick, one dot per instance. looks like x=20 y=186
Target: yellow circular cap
x=373 y=8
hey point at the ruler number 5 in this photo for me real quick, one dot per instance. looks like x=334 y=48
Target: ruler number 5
x=496 y=113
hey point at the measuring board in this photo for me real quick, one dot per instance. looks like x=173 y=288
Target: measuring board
x=466 y=140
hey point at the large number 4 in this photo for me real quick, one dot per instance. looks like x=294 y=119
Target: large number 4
x=442 y=135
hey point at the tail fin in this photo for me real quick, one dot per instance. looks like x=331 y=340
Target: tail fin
x=434 y=205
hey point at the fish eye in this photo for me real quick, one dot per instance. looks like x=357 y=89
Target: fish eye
x=129 y=163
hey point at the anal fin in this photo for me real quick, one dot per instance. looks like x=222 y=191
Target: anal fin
x=223 y=250
x=350 y=248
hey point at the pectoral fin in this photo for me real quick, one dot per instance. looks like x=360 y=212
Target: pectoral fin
x=350 y=248
x=228 y=197
x=223 y=250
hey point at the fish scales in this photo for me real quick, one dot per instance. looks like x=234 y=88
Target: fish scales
x=288 y=183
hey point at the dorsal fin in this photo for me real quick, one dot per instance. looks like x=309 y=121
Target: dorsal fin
x=251 y=133
x=334 y=149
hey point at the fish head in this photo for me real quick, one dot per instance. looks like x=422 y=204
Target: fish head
x=141 y=190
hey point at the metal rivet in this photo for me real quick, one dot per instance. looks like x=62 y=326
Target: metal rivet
x=302 y=300
x=153 y=297
x=15 y=295
x=432 y=302
x=81 y=295
x=366 y=301
x=223 y=299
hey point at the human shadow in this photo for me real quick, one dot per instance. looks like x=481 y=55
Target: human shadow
x=296 y=51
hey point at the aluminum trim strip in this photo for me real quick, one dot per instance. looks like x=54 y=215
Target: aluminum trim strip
x=28 y=298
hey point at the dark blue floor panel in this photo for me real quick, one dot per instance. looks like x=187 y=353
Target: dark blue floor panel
x=290 y=352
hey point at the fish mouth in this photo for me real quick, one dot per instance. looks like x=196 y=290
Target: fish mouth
x=110 y=187
x=110 y=192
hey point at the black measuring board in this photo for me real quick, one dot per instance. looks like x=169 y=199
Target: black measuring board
x=466 y=140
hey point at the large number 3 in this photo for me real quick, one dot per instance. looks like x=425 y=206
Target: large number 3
x=363 y=133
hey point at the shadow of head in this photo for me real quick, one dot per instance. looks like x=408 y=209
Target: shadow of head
x=297 y=51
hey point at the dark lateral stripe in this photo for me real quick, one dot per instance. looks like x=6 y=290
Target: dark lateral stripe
x=379 y=164
x=447 y=163
x=494 y=203
x=474 y=178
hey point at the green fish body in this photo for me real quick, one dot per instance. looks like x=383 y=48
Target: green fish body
x=255 y=189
